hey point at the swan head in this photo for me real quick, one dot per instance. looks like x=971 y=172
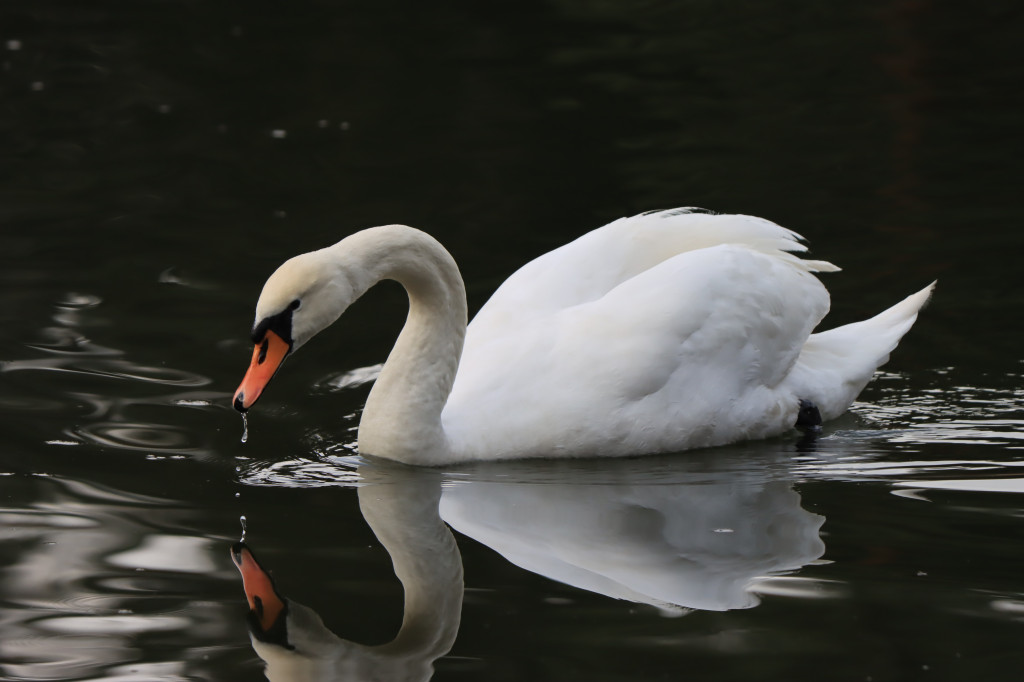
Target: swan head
x=303 y=296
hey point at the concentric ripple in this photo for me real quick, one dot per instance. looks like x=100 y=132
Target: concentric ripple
x=139 y=436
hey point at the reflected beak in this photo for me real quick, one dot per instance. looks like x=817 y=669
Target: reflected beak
x=263 y=599
x=266 y=359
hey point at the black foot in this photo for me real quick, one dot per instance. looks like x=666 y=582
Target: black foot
x=809 y=417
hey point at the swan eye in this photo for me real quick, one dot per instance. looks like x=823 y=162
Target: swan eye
x=295 y=305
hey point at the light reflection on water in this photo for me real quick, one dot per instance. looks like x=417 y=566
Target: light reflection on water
x=92 y=576
x=107 y=393
x=300 y=473
x=949 y=420
x=950 y=413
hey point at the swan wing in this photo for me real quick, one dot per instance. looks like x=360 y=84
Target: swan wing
x=589 y=267
x=688 y=352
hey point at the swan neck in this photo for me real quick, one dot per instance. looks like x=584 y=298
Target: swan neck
x=402 y=416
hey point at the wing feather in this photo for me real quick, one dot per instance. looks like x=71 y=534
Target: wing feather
x=693 y=334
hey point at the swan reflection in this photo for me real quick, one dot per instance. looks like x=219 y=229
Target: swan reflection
x=675 y=533
x=401 y=507
x=682 y=532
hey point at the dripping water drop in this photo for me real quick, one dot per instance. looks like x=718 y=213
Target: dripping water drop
x=241 y=519
x=245 y=427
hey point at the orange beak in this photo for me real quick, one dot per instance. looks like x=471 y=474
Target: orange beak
x=263 y=599
x=266 y=359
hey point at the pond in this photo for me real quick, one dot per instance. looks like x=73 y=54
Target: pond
x=161 y=159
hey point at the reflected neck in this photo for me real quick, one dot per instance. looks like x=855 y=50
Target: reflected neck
x=403 y=512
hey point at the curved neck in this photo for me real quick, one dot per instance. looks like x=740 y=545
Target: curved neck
x=402 y=509
x=402 y=416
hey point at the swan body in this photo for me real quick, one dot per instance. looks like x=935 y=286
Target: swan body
x=662 y=332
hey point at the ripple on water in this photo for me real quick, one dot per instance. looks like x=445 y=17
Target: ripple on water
x=69 y=341
x=943 y=434
x=350 y=379
x=947 y=412
x=112 y=624
x=32 y=657
x=91 y=603
x=70 y=309
x=76 y=301
x=23 y=519
x=800 y=587
x=166 y=552
x=981 y=484
x=139 y=436
x=108 y=368
x=175 y=276
x=301 y=473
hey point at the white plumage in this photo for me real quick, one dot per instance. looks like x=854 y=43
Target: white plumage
x=665 y=331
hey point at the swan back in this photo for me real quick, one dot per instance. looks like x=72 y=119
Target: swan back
x=661 y=332
x=589 y=267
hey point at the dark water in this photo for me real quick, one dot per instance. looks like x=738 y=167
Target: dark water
x=161 y=158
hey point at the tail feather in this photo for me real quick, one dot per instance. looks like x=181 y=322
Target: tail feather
x=835 y=366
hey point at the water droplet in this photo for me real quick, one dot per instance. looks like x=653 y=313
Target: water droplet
x=241 y=519
x=279 y=134
x=245 y=427
x=13 y=45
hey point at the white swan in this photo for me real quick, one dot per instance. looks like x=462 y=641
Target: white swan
x=666 y=331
